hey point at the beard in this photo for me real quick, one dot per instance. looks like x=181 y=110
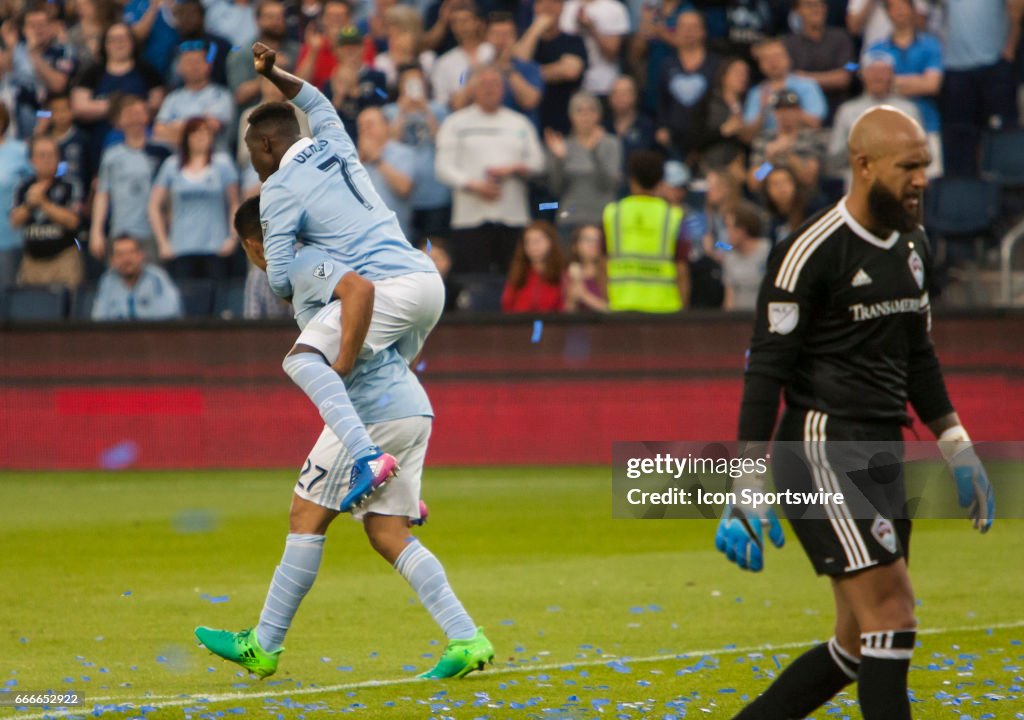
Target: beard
x=274 y=35
x=889 y=211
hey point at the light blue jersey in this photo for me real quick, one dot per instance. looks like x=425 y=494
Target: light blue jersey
x=322 y=197
x=381 y=387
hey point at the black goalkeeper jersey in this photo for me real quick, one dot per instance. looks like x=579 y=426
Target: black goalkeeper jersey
x=843 y=321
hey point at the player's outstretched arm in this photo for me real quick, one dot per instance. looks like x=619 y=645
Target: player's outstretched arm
x=323 y=118
x=356 y=294
x=265 y=61
x=973 y=488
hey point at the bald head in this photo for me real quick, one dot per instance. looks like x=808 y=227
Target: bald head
x=888 y=156
x=884 y=131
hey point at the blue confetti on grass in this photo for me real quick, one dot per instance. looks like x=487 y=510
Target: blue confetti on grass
x=409 y=668
x=548 y=206
x=195 y=520
x=215 y=599
x=508 y=622
x=538 y=330
x=763 y=171
x=126 y=593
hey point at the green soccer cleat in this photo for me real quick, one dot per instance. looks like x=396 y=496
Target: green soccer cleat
x=241 y=648
x=462 y=657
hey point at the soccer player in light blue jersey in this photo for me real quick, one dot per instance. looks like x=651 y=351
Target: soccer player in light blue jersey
x=387 y=395
x=316 y=192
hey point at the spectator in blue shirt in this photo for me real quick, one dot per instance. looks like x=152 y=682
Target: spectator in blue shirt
x=773 y=59
x=198 y=98
x=202 y=188
x=152 y=24
x=523 y=84
x=653 y=42
x=126 y=178
x=980 y=89
x=39 y=65
x=14 y=168
x=134 y=290
x=414 y=122
x=916 y=62
x=390 y=165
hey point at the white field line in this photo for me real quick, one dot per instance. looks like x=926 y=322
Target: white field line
x=166 y=701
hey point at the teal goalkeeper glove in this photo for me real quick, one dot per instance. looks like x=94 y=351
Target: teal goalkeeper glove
x=740 y=532
x=972 y=485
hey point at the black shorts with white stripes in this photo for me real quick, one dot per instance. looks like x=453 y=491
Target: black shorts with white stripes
x=864 y=461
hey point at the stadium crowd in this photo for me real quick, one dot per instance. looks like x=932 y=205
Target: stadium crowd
x=524 y=145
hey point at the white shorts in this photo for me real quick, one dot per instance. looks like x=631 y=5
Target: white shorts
x=325 y=474
x=405 y=309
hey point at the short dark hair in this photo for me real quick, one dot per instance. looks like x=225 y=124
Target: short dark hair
x=500 y=16
x=125 y=236
x=647 y=168
x=275 y=119
x=247 y=219
x=747 y=217
x=61 y=95
x=119 y=101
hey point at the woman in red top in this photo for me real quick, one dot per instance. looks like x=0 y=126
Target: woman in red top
x=535 y=278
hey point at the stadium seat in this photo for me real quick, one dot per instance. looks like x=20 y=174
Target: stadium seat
x=481 y=292
x=27 y=304
x=960 y=214
x=1002 y=157
x=229 y=300
x=961 y=207
x=196 y=297
x=81 y=302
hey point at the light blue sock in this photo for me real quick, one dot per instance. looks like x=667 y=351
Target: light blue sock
x=292 y=580
x=425 y=574
x=324 y=387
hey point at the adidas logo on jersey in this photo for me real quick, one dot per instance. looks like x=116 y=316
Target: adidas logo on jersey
x=861 y=279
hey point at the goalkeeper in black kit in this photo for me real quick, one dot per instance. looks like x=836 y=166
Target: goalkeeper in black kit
x=842 y=330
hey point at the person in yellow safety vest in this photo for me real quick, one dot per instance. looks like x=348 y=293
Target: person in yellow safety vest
x=641 y=231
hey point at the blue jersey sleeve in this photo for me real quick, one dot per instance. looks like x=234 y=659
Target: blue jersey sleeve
x=281 y=217
x=324 y=122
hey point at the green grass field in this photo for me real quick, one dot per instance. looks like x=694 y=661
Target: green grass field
x=103 y=577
